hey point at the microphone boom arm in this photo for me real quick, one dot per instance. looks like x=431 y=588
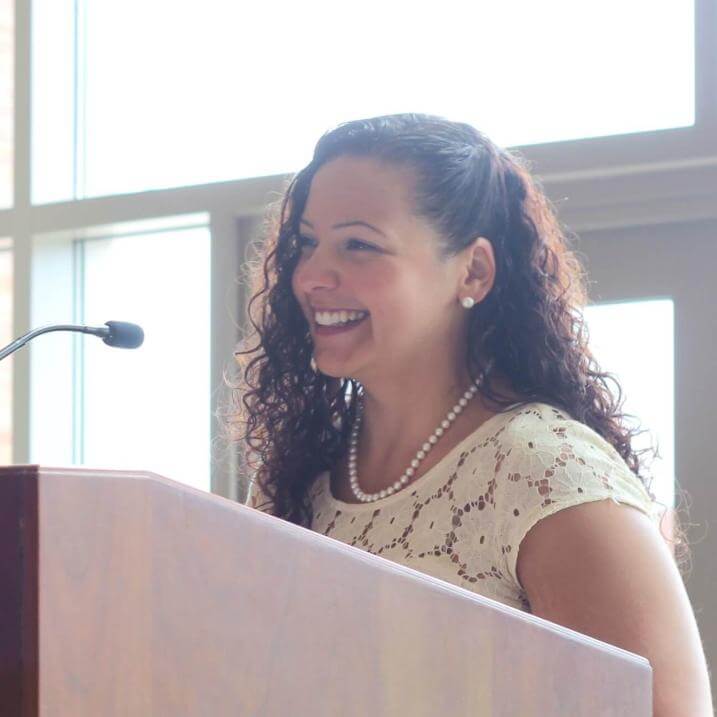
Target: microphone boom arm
x=113 y=333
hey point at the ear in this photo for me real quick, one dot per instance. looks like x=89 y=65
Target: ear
x=478 y=273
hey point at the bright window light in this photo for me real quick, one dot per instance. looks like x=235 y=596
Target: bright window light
x=56 y=116
x=7 y=103
x=634 y=340
x=148 y=408
x=224 y=91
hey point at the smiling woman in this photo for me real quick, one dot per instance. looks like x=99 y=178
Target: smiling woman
x=422 y=388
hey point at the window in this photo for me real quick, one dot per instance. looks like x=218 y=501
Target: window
x=635 y=341
x=7 y=65
x=210 y=96
x=141 y=409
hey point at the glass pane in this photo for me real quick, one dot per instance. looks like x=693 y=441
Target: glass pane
x=149 y=408
x=635 y=341
x=6 y=337
x=7 y=65
x=228 y=92
x=55 y=150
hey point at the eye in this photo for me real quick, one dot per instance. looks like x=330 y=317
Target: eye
x=304 y=242
x=362 y=245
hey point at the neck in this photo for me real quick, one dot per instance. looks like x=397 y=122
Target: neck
x=407 y=414
x=400 y=418
x=402 y=410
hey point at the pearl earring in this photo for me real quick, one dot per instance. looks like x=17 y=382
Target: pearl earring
x=313 y=365
x=468 y=302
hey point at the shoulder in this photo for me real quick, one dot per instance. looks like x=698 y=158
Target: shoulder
x=532 y=443
x=604 y=570
x=546 y=461
x=545 y=425
x=543 y=443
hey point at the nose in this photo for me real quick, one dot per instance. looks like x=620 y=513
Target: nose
x=316 y=271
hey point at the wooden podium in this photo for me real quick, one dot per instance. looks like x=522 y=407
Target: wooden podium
x=126 y=593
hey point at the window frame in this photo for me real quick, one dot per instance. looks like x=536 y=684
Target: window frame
x=596 y=183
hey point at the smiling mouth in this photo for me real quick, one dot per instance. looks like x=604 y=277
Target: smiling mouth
x=328 y=329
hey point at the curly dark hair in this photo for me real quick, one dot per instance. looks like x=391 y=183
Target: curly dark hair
x=530 y=328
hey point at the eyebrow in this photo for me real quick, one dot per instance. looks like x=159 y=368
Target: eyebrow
x=356 y=222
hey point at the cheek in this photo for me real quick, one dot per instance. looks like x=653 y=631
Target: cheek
x=383 y=291
x=374 y=281
x=396 y=297
x=414 y=306
x=296 y=285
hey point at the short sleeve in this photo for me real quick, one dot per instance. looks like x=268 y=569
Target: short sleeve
x=554 y=463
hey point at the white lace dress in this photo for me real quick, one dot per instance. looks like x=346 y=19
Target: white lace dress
x=464 y=519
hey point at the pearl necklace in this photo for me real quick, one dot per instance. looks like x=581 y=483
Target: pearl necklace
x=420 y=455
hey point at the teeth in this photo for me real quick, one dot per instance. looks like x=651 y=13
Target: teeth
x=337 y=318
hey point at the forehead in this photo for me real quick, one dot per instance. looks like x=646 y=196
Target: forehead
x=361 y=187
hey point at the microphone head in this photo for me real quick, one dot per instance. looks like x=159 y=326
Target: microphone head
x=123 y=335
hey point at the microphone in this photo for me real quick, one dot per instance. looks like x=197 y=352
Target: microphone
x=122 y=335
x=119 y=334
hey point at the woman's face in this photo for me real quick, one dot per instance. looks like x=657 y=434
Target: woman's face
x=392 y=274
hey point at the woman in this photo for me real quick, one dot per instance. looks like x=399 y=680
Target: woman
x=422 y=389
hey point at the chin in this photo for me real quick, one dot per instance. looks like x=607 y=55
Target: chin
x=332 y=371
x=337 y=369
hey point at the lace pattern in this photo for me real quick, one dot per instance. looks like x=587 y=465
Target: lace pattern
x=464 y=519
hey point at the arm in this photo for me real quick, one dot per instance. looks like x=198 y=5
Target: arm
x=603 y=569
